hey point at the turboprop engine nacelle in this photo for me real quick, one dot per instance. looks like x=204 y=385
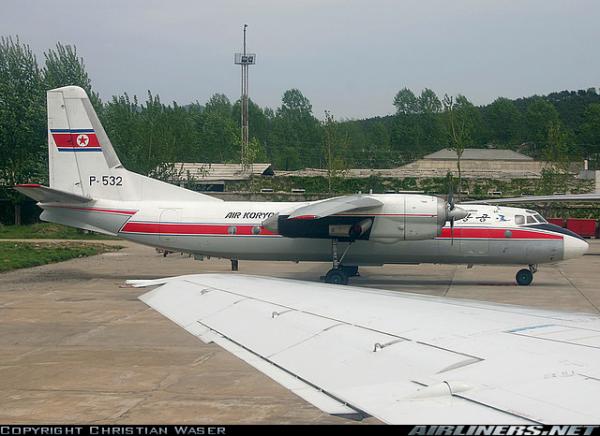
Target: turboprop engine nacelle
x=410 y=217
x=400 y=217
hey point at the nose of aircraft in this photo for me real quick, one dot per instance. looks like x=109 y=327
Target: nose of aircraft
x=574 y=247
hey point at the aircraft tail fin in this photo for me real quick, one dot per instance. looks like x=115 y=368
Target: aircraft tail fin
x=83 y=161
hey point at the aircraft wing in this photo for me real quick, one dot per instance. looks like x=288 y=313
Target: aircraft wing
x=539 y=199
x=403 y=358
x=331 y=206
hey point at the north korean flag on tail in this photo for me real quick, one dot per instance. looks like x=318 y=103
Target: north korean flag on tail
x=70 y=140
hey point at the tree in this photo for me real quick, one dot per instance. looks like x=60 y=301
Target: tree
x=590 y=128
x=219 y=103
x=430 y=129
x=539 y=116
x=557 y=149
x=295 y=103
x=258 y=121
x=379 y=150
x=22 y=118
x=333 y=145
x=63 y=67
x=295 y=128
x=429 y=103
x=219 y=137
x=504 y=122
x=460 y=123
x=405 y=102
x=555 y=178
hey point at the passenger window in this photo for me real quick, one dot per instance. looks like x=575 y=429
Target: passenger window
x=519 y=219
x=531 y=220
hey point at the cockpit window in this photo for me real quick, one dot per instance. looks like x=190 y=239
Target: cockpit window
x=540 y=218
x=519 y=219
x=531 y=220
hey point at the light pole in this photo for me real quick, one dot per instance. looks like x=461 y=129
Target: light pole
x=245 y=60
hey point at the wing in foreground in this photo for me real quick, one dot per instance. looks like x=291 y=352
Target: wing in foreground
x=403 y=358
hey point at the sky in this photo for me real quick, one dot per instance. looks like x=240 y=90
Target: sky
x=348 y=57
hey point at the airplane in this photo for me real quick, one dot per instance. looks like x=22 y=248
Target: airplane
x=90 y=189
x=399 y=357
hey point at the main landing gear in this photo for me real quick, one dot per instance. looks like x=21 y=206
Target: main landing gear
x=525 y=276
x=339 y=274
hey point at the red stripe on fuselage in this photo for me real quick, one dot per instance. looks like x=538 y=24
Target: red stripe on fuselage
x=247 y=230
x=496 y=233
x=386 y=214
x=194 y=229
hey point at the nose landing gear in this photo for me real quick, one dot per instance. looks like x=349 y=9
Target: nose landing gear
x=525 y=276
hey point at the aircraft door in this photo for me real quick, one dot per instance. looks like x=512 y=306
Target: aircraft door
x=168 y=226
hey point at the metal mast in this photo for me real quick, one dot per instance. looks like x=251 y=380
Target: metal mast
x=245 y=60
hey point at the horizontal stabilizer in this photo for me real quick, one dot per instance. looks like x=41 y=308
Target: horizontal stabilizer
x=44 y=194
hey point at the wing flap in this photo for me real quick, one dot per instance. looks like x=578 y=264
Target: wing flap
x=177 y=304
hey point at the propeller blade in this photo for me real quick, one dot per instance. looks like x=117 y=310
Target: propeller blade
x=452 y=231
x=450 y=192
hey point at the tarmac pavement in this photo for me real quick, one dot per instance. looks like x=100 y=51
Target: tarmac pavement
x=76 y=347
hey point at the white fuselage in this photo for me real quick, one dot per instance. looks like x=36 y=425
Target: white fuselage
x=488 y=235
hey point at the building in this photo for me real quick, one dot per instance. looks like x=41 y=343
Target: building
x=478 y=163
x=211 y=176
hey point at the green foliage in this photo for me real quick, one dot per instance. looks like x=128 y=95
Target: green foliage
x=149 y=134
x=295 y=136
x=63 y=67
x=503 y=121
x=406 y=102
x=539 y=117
x=14 y=255
x=334 y=144
x=590 y=128
x=47 y=231
x=22 y=114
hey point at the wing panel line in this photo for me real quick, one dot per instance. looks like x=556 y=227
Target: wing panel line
x=361 y=414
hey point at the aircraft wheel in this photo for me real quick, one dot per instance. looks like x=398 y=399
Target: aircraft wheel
x=336 y=277
x=350 y=270
x=524 y=277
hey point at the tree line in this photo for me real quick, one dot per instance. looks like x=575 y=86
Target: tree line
x=147 y=132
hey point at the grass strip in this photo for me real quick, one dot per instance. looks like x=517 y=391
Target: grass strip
x=48 y=231
x=14 y=255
